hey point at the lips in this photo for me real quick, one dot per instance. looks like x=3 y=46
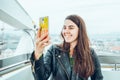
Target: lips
x=67 y=36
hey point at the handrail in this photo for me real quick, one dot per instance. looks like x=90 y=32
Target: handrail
x=110 y=59
x=20 y=64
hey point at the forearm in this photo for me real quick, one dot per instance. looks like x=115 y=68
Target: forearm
x=41 y=72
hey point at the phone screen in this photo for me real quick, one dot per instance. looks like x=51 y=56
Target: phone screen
x=43 y=23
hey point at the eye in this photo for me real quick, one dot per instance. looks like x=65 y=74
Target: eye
x=71 y=27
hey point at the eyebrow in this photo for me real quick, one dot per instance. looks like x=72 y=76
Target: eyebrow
x=69 y=26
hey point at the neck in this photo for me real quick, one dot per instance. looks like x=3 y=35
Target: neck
x=71 y=52
x=72 y=46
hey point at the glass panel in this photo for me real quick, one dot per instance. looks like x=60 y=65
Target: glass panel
x=12 y=46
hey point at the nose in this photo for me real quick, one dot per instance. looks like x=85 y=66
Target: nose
x=66 y=30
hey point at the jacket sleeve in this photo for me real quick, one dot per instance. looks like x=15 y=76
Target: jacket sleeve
x=42 y=67
x=97 y=71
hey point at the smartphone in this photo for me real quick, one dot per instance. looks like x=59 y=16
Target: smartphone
x=43 y=23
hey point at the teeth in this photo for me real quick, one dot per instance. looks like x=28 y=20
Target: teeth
x=68 y=36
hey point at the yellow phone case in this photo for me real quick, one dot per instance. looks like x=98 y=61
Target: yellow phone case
x=43 y=23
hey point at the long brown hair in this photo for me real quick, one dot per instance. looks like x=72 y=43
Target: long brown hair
x=83 y=59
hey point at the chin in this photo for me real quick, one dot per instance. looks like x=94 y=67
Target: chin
x=68 y=41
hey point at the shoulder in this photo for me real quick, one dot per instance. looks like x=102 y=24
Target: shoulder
x=95 y=58
x=54 y=47
x=93 y=53
x=92 y=50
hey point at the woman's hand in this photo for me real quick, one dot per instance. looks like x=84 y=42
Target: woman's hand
x=41 y=42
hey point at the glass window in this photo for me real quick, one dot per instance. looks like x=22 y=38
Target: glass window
x=14 y=45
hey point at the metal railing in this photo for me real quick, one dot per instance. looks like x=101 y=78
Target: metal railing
x=110 y=59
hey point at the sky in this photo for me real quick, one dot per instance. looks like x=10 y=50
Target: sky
x=100 y=16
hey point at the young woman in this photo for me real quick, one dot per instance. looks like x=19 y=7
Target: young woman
x=71 y=60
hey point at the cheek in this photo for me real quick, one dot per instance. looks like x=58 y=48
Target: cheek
x=75 y=34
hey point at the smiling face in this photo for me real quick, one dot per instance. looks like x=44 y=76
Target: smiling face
x=70 y=31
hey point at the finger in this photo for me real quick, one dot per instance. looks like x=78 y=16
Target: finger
x=44 y=36
x=38 y=40
x=38 y=33
x=45 y=40
x=46 y=44
x=41 y=38
x=41 y=43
